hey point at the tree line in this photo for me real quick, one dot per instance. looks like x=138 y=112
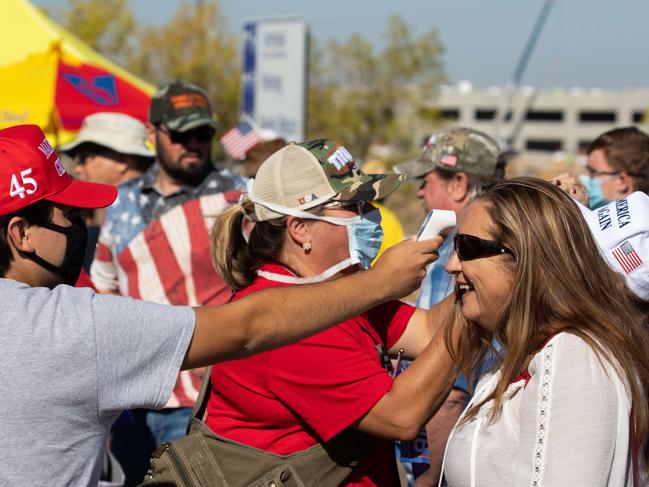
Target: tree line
x=358 y=94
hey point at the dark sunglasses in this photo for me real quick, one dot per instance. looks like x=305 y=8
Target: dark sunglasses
x=202 y=135
x=469 y=247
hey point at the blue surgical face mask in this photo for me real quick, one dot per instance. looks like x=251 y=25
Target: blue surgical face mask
x=365 y=237
x=364 y=233
x=594 y=188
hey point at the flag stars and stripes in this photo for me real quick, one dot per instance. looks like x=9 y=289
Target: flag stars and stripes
x=241 y=139
x=627 y=257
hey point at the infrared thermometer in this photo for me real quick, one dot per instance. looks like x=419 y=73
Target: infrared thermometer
x=435 y=222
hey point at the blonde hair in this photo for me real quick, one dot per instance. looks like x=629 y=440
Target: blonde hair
x=560 y=284
x=237 y=260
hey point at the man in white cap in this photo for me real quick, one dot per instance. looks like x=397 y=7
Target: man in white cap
x=110 y=149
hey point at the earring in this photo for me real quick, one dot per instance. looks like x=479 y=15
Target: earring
x=307 y=246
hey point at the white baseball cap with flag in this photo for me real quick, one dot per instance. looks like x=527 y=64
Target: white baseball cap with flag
x=621 y=229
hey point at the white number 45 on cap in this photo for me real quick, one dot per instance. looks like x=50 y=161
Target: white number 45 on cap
x=20 y=188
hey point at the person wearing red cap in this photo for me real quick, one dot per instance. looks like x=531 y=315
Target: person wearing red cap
x=72 y=359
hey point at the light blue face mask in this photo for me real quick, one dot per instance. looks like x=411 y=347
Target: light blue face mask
x=364 y=233
x=365 y=237
x=594 y=188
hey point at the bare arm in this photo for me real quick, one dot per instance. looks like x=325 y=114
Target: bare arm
x=276 y=317
x=415 y=395
x=422 y=327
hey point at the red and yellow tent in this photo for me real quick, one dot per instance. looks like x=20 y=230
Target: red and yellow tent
x=51 y=78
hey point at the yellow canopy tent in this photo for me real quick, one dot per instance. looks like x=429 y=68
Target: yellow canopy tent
x=51 y=78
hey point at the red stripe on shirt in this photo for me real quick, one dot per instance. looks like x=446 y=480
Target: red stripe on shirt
x=103 y=253
x=179 y=391
x=130 y=269
x=210 y=288
x=169 y=271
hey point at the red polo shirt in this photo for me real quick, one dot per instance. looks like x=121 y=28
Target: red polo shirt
x=287 y=400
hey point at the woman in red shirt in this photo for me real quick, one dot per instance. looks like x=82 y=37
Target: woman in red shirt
x=307 y=218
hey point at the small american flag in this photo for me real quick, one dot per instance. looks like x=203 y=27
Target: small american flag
x=626 y=255
x=448 y=160
x=241 y=139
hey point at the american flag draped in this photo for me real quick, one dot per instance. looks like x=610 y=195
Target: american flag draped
x=241 y=139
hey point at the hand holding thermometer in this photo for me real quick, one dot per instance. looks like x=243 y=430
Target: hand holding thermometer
x=435 y=222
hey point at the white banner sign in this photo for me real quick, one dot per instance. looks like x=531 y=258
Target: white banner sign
x=274 y=75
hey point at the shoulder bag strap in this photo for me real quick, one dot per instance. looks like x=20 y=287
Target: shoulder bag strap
x=201 y=401
x=206 y=387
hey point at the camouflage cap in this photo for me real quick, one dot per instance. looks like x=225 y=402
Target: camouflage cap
x=181 y=107
x=311 y=173
x=457 y=149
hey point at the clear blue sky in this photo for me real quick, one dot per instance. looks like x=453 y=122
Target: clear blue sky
x=588 y=43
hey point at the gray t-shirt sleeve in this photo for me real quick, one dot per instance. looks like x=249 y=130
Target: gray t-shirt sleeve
x=140 y=347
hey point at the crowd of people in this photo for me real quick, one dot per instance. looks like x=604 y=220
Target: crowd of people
x=524 y=361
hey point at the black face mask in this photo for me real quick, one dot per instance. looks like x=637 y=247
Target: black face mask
x=76 y=236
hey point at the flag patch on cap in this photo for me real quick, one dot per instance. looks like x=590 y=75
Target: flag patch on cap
x=307 y=198
x=627 y=257
x=448 y=160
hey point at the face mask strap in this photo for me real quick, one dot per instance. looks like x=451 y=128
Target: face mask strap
x=58 y=270
x=58 y=228
x=332 y=271
x=285 y=210
x=34 y=257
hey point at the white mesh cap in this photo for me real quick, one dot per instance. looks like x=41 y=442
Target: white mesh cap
x=305 y=175
x=291 y=177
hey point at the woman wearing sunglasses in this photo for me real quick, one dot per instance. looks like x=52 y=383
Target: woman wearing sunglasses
x=567 y=405
x=307 y=218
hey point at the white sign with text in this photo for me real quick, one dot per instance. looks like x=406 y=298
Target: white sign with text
x=274 y=75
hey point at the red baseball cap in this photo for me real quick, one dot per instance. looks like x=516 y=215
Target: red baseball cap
x=31 y=171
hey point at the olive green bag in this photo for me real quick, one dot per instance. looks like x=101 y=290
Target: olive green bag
x=203 y=458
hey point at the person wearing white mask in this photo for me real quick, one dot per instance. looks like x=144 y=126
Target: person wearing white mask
x=307 y=218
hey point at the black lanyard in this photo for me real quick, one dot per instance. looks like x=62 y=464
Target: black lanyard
x=381 y=350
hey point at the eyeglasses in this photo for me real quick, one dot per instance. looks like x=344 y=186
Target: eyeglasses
x=202 y=134
x=360 y=207
x=594 y=173
x=470 y=247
